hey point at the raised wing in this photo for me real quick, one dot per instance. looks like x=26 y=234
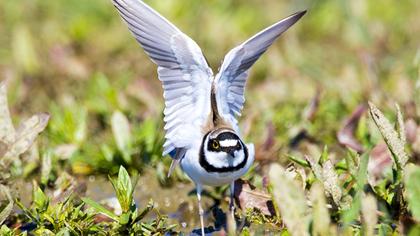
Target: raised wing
x=231 y=79
x=182 y=68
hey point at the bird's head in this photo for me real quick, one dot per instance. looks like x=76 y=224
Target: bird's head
x=223 y=149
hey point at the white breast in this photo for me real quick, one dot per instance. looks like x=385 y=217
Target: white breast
x=191 y=166
x=221 y=159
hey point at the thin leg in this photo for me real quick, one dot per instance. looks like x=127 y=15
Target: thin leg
x=200 y=209
x=232 y=203
x=231 y=223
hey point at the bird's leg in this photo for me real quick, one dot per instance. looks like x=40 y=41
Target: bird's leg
x=232 y=203
x=230 y=220
x=200 y=209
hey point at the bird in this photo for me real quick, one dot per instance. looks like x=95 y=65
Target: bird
x=201 y=109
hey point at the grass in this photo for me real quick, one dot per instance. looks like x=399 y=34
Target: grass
x=76 y=61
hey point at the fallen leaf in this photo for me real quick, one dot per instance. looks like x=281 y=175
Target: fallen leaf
x=345 y=135
x=380 y=159
x=246 y=196
x=26 y=134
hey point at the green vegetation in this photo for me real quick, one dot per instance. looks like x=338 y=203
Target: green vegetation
x=327 y=161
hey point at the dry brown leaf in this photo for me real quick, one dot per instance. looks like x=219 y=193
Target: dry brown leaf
x=246 y=196
x=380 y=159
x=345 y=135
x=26 y=134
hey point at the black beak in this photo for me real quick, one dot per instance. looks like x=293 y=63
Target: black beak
x=232 y=152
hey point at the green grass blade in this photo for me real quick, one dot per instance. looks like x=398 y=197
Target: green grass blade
x=99 y=208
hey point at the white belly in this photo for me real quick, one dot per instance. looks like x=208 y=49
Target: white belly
x=191 y=166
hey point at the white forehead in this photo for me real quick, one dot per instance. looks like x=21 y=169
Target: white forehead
x=228 y=142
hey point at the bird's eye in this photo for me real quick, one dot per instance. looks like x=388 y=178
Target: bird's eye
x=215 y=144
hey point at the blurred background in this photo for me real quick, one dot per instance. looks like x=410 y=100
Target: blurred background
x=76 y=60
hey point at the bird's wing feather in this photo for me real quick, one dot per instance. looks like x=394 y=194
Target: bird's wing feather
x=182 y=69
x=231 y=79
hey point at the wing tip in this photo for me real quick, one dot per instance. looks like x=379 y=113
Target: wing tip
x=296 y=16
x=287 y=22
